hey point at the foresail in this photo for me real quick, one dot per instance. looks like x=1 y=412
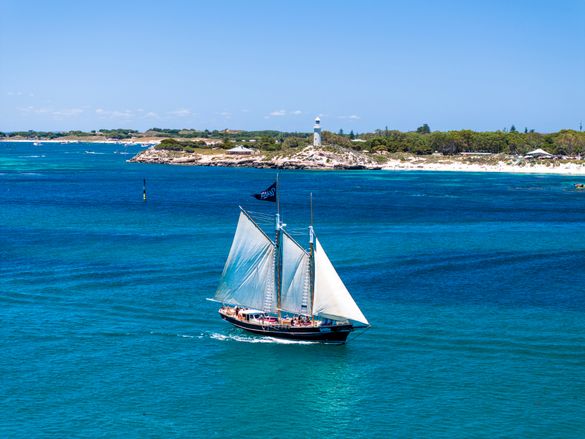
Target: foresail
x=332 y=299
x=295 y=277
x=248 y=275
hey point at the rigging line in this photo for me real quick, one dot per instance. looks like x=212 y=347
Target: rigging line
x=259 y=212
x=365 y=328
x=255 y=224
x=263 y=217
x=296 y=230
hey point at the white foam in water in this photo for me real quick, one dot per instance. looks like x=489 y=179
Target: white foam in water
x=243 y=339
x=168 y=334
x=189 y=336
x=93 y=152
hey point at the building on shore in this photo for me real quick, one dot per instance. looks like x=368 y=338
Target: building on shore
x=240 y=150
x=539 y=154
x=317 y=132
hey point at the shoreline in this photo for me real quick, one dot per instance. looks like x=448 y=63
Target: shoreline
x=310 y=158
x=148 y=141
x=322 y=159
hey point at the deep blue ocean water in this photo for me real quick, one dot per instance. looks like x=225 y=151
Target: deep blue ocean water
x=474 y=285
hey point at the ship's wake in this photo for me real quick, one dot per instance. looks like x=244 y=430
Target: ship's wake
x=259 y=339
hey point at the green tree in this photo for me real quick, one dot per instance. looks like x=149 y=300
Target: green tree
x=294 y=142
x=227 y=143
x=513 y=129
x=424 y=129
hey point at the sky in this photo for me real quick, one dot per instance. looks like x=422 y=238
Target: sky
x=360 y=65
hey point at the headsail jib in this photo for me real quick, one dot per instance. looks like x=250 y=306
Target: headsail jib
x=248 y=274
x=332 y=299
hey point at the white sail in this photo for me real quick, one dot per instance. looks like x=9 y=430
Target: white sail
x=294 y=296
x=332 y=300
x=248 y=275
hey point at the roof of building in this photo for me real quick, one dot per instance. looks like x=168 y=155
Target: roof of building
x=240 y=148
x=538 y=151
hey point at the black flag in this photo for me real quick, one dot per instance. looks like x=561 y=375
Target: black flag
x=267 y=194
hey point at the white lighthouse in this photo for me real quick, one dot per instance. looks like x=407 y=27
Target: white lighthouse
x=317 y=132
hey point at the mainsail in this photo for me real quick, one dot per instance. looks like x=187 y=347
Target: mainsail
x=331 y=298
x=248 y=275
x=295 y=288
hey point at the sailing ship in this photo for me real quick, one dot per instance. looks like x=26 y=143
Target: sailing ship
x=280 y=289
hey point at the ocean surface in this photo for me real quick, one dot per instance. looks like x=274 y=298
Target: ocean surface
x=474 y=285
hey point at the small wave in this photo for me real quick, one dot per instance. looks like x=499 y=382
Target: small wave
x=31 y=156
x=94 y=152
x=168 y=334
x=260 y=339
x=189 y=336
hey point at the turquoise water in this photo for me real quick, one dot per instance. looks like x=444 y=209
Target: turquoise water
x=474 y=285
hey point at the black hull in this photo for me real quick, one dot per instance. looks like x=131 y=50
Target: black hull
x=329 y=334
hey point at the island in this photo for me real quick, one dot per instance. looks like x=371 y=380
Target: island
x=502 y=151
x=507 y=150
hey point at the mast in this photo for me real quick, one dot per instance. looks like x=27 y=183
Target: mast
x=311 y=259
x=278 y=253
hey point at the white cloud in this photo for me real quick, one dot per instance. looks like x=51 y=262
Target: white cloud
x=281 y=113
x=68 y=112
x=114 y=114
x=151 y=115
x=181 y=112
x=20 y=93
x=225 y=114
x=351 y=117
x=57 y=114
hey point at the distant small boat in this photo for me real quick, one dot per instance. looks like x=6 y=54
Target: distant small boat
x=37 y=144
x=579 y=185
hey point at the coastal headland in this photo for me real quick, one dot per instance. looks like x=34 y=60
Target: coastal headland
x=509 y=150
x=331 y=158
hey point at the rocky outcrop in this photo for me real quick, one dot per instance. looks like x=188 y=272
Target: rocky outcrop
x=307 y=158
x=339 y=158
